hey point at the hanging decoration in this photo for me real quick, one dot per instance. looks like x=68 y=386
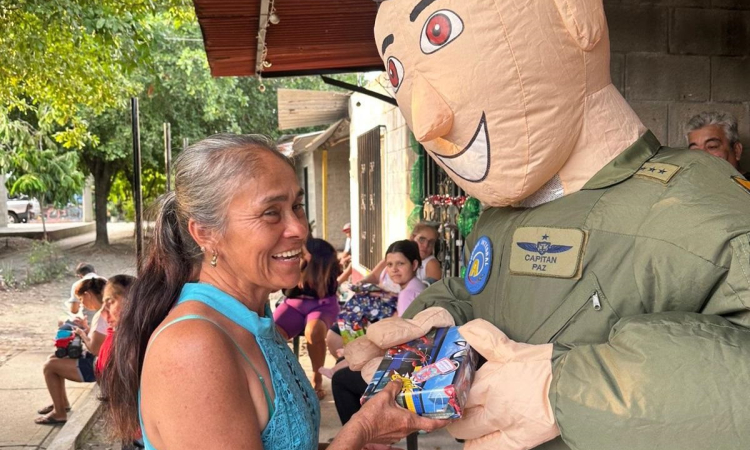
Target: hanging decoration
x=469 y=216
x=416 y=192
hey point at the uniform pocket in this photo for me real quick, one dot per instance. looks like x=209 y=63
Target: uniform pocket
x=585 y=317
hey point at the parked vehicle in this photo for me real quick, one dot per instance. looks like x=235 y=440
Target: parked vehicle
x=22 y=209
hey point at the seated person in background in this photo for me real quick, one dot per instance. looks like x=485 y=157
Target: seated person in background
x=402 y=264
x=115 y=297
x=715 y=133
x=313 y=305
x=346 y=255
x=345 y=259
x=429 y=271
x=425 y=236
x=83 y=270
x=89 y=292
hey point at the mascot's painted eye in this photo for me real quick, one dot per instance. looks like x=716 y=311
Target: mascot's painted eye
x=441 y=28
x=395 y=73
x=438 y=29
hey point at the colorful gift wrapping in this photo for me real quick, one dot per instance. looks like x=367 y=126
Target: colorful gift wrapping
x=436 y=371
x=367 y=306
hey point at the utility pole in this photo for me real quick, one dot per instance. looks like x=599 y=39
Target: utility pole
x=168 y=154
x=137 y=195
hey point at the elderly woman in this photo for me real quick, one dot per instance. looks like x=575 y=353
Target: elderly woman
x=197 y=353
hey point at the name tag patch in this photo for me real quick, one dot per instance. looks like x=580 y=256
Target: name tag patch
x=658 y=171
x=547 y=252
x=480 y=263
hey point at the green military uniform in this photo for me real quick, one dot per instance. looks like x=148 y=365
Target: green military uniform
x=642 y=281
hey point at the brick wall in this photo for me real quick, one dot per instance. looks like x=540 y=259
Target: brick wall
x=674 y=58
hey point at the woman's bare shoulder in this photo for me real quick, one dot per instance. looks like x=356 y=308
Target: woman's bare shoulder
x=192 y=367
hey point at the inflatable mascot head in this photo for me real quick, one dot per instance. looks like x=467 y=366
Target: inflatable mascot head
x=506 y=95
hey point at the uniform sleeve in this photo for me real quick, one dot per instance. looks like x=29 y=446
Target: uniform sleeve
x=447 y=293
x=669 y=380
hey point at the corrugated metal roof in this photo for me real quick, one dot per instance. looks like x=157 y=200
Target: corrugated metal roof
x=313 y=36
x=299 y=108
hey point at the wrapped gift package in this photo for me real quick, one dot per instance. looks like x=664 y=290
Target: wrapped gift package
x=436 y=373
x=368 y=305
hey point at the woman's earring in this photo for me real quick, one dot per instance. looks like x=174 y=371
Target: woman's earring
x=203 y=249
x=214 y=258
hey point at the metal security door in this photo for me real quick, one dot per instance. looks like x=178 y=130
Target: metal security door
x=370 y=221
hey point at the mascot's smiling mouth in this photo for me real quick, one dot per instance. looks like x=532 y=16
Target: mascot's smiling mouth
x=473 y=162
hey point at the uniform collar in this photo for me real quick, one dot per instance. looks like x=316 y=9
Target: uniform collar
x=626 y=164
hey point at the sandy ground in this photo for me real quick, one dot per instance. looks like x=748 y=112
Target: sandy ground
x=28 y=316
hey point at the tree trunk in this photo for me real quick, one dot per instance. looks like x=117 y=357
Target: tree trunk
x=3 y=202
x=102 y=184
x=42 y=213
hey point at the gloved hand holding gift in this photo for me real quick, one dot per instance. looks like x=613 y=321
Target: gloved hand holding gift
x=508 y=406
x=365 y=353
x=435 y=372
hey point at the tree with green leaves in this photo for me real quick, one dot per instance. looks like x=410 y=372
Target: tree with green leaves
x=69 y=67
x=63 y=59
x=176 y=87
x=49 y=174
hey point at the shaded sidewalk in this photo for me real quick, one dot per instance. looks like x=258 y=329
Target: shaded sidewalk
x=22 y=392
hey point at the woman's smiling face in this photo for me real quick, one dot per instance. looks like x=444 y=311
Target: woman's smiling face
x=266 y=228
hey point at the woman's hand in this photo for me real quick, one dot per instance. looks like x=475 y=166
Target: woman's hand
x=84 y=337
x=382 y=420
x=81 y=323
x=385 y=422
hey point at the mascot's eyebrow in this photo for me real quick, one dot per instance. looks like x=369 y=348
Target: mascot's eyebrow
x=419 y=8
x=386 y=42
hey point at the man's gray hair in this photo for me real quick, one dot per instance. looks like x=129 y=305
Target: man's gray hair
x=725 y=120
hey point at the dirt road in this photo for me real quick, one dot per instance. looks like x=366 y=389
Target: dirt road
x=28 y=317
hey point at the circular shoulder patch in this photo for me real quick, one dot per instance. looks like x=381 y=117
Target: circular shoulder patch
x=480 y=263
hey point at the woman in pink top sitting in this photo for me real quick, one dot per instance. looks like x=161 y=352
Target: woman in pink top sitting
x=312 y=306
x=402 y=261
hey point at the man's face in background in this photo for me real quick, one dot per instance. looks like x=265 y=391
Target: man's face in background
x=713 y=140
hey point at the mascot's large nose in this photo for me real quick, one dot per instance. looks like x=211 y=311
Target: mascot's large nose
x=431 y=116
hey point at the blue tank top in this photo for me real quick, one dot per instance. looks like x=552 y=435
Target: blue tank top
x=295 y=413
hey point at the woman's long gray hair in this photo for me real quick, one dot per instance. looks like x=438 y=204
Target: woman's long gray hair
x=207 y=174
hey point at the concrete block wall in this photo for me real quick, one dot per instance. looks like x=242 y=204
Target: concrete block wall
x=674 y=58
x=302 y=161
x=396 y=169
x=339 y=207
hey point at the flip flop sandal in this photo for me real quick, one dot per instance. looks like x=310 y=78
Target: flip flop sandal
x=48 y=409
x=49 y=420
